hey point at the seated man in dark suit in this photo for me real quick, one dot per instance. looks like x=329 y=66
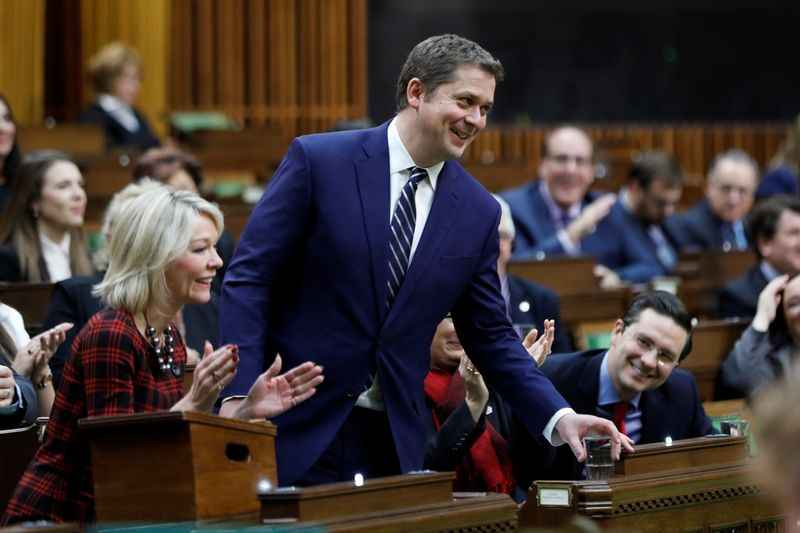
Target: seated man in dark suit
x=654 y=188
x=775 y=226
x=527 y=303
x=718 y=222
x=636 y=382
x=560 y=216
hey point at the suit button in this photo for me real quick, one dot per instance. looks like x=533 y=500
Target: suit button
x=351 y=392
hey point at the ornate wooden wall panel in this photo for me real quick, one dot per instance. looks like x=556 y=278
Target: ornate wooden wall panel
x=142 y=24
x=22 y=40
x=298 y=65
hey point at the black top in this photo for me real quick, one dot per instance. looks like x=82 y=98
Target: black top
x=116 y=135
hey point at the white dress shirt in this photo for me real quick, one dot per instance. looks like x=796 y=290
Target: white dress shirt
x=56 y=255
x=118 y=109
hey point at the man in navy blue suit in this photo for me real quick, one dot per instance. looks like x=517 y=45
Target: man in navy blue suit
x=654 y=189
x=559 y=215
x=310 y=278
x=719 y=221
x=636 y=381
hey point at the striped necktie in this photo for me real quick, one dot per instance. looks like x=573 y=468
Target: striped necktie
x=402 y=233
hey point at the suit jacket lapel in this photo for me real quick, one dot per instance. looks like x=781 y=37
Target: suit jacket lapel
x=372 y=176
x=443 y=212
x=589 y=385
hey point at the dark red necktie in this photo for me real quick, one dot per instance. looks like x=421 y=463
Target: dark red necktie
x=620 y=410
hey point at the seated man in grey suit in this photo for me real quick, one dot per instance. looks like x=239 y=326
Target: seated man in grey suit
x=718 y=221
x=636 y=382
x=559 y=215
x=775 y=227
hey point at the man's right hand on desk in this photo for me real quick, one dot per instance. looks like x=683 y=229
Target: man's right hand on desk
x=573 y=427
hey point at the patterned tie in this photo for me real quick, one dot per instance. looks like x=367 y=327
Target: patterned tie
x=402 y=234
x=620 y=410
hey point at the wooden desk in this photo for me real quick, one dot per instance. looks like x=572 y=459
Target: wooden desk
x=74 y=139
x=18 y=447
x=714 y=499
x=711 y=342
x=563 y=275
x=715 y=265
x=30 y=299
x=155 y=467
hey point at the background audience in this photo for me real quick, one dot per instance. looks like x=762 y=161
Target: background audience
x=559 y=215
x=116 y=78
x=775 y=227
x=718 y=222
x=42 y=231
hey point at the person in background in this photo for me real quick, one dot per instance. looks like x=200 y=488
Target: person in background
x=559 y=215
x=527 y=303
x=775 y=228
x=42 y=231
x=653 y=191
x=116 y=78
x=767 y=348
x=10 y=154
x=719 y=221
x=28 y=360
x=636 y=382
x=470 y=429
x=183 y=172
x=776 y=421
x=130 y=357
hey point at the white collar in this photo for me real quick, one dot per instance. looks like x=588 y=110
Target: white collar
x=400 y=159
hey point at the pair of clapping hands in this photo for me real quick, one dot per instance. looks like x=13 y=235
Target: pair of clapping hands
x=272 y=393
x=32 y=360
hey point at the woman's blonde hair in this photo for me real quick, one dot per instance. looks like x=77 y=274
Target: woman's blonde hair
x=150 y=232
x=108 y=64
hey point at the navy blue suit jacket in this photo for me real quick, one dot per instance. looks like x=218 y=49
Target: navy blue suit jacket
x=740 y=296
x=698 y=228
x=672 y=410
x=536 y=236
x=308 y=281
x=542 y=304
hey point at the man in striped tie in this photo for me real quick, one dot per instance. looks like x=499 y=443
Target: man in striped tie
x=361 y=244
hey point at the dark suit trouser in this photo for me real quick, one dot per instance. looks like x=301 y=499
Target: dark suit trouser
x=363 y=445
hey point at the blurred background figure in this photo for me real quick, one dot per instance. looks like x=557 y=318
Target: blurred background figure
x=183 y=172
x=654 y=188
x=765 y=352
x=777 y=426
x=782 y=175
x=9 y=151
x=528 y=304
x=719 y=221
x=116 y=78
x=42 y=230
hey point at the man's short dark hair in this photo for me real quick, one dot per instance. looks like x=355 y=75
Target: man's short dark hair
x=663 y=303
x=765 y=216
x=565 y=126
x=435 y=59
x=655 y=164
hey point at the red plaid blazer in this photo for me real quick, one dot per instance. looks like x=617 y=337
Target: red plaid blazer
x=109 y=372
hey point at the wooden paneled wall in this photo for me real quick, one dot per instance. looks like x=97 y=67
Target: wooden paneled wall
x=694 y=145
x=298 y=65
x=22 y=38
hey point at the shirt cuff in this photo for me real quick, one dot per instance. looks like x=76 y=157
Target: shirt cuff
x=15 y=407
x=570 y=248
x=232 y=398
x=550 y=432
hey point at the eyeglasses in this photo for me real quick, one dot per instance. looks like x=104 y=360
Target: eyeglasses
x=666 y=359
x=564 y=159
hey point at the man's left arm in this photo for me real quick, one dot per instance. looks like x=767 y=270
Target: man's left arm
x=486 y=334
